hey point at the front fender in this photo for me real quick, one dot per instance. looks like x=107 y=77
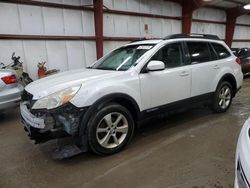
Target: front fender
x=88 y=95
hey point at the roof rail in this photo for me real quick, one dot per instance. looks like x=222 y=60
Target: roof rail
x=145 y=38
x=192 y=35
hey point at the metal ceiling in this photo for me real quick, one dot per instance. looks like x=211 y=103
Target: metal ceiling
x=220 y=4
x=227 y=4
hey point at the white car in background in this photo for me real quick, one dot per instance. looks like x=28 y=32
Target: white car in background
x=242 y=163
x=10 y=89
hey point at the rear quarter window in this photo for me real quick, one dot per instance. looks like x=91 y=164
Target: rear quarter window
x=221 y=51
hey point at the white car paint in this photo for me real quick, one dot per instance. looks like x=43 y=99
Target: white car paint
x=10 y=94
x=148 y=90
x=48 y=85
x=163 y=87
x=243 y=155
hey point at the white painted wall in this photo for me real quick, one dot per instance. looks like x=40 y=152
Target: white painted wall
x=211 y=15
x=34 y=20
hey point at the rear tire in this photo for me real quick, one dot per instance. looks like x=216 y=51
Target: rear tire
x=222 y=98
x=110 y=129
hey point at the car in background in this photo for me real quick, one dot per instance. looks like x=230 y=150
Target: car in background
x=10 y=89
x=242 y=162
x=244 y=55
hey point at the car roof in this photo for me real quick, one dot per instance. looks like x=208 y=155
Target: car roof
x=141 y=42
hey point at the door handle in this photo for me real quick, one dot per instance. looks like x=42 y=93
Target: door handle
x=216 y=67
x=184 y=73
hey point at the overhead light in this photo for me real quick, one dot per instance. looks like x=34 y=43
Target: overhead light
x=247 y=7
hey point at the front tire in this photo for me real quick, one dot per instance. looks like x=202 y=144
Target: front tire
x=110 y=129
x=223 y=97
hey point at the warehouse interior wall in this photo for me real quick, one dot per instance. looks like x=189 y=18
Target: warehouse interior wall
x=20 y=19
x=34 y=20
x=136 y=26
x=209 y=14
x=242 y=32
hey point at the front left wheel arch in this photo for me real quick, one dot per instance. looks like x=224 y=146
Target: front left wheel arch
x=119 y=98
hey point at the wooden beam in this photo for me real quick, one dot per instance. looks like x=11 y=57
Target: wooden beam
x=98 y=16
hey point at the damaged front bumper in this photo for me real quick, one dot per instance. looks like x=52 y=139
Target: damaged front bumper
x=43 y=125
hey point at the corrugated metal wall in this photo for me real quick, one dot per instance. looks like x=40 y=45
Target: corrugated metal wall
x=210 y=15
x=134 y=26
x=242 y=32
x=64 y=55
x=35 y=20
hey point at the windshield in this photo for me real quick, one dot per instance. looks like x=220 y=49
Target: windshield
x=123 y=58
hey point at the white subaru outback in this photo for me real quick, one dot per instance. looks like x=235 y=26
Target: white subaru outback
x=100 y=106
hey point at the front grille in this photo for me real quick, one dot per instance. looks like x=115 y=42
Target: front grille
x=241 y=177
x=27 y=97
x=249 y=133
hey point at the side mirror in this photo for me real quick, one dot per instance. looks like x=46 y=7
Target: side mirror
x=155 y=66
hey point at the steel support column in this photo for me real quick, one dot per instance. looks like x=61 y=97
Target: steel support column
x=187 y=14
x=232 y=15
x=230 y=27
x=98 y=15
x=188 y=8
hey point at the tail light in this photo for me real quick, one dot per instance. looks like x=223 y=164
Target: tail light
x=238 y=60
x=11 y=79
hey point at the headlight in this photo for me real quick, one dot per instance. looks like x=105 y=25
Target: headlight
x=56 y=99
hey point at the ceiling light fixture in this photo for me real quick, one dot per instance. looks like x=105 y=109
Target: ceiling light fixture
x=247 y=7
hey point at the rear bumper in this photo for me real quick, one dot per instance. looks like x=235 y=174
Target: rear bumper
x=10 y=98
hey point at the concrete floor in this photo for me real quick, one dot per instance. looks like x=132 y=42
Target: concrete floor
x=192 y=149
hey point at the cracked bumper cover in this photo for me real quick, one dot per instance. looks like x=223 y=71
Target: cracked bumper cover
x=44 y=125
x=30 y=119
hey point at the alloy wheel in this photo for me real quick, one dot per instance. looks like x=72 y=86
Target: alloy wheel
x=225 y=96
x=112 y=130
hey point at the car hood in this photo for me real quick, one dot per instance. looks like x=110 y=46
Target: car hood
x=51 y=84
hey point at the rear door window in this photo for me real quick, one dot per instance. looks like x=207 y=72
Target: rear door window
x=199 y=52
x=221 y=51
